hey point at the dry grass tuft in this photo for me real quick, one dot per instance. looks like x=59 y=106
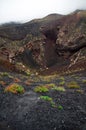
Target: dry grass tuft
x=73 y=85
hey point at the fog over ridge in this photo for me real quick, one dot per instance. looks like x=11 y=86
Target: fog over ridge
x=26 y=10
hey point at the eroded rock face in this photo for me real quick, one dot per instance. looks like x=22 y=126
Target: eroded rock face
x=70 y=38
x=62 y=42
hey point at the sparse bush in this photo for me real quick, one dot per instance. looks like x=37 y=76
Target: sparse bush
x=46 y=98
x=2 y=83
x=62 y=83
x=79 y=91
x=53 y=104
x=62 y=78
x=44 y=88
x=61 y=89
x=28 y=73
x=41 y=89
x=60 y=107
x=15 y=88
x=84 y=80
x=4 y=74
x=49 y=86
x=73 y=85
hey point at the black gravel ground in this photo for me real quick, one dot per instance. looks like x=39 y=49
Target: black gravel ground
x=28 y=112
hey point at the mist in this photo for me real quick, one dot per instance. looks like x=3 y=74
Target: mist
x=26 y=10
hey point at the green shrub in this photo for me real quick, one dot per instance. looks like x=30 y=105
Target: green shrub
x=4 y=74
x=53 y=104
x=41 y=89
x=60 y=107
x=15 y=88
x=46 y=98
x=61 y=89
x=28 y=73
x=62 y=83
x=51 y=85
x=62 y=78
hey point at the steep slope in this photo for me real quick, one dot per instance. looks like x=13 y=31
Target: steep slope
x=18 y=31
x=68 y=35
x=64 y=43
x=15 y=36
x=54 y=40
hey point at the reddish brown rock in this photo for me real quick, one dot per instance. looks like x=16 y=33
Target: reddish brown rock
x=61 y=41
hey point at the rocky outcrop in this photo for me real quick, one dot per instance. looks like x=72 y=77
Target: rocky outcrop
x=67 y=36
x=18 y=31
x=62 y=41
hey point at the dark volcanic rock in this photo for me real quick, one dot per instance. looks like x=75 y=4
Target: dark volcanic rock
x=67 y=36
x=16 y=31
x=28 y=112
x=55 y=39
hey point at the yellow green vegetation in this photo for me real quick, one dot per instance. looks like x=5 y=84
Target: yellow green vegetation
x=46 y=98
x=60 y=88
x=15 y=88
x=80 y=91
x=84 y=80
x=44 y=88
x=41 y=89
x=62 y=78
x=48 y=78
x=28 y=73
x=2 y=82
x=60 y=107
x=49 y=99
x=62 y=83
x=4 y=74
x=49 y=86
x=73 y=85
